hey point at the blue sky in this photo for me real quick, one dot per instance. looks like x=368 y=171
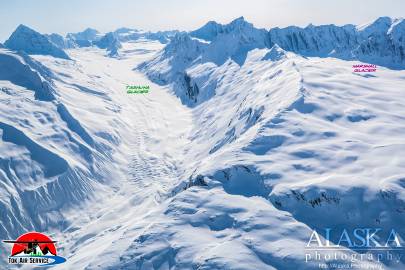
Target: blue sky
x=59 y=16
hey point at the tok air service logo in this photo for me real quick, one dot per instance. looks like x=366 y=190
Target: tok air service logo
x=34 y=248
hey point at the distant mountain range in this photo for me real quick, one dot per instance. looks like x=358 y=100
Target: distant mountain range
x=31 y=42
x=380 y=42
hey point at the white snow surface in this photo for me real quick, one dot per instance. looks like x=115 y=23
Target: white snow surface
x=229 y=162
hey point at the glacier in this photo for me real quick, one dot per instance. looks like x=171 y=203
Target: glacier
x=248 y=140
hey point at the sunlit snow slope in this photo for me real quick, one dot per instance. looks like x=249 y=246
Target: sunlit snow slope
x=286 y=144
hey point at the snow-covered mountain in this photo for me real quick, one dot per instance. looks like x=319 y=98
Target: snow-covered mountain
x=32 y=42
x=210 y=30
x=51 y=157
x=84 y=38
x=61 y=41
x=25 y=72
x=109 y=42
x=88 y=34
x=162 y=36
x=285 y=128
x=127 y=34
x=378 y=42
x=247 y=141
x=233 y=41
x=112 y=41
x=34 y=135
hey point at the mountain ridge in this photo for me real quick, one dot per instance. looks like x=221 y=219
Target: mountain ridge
x=348 y=42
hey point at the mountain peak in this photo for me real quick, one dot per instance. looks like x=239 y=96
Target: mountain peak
x=384 y=19
x=109 y=41
x=124 y=30
x=212 y=29
x=276 y=53
x=30 y=41
x=208 y=32
x=381 y=24
x=22 y=27
x=240 y=22
x=240 y=19
x=90 y=30
x=88 y=34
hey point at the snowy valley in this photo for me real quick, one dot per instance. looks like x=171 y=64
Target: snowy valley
x=248 y=140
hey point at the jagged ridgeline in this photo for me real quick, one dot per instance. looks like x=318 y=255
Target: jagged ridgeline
x=380 y=42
